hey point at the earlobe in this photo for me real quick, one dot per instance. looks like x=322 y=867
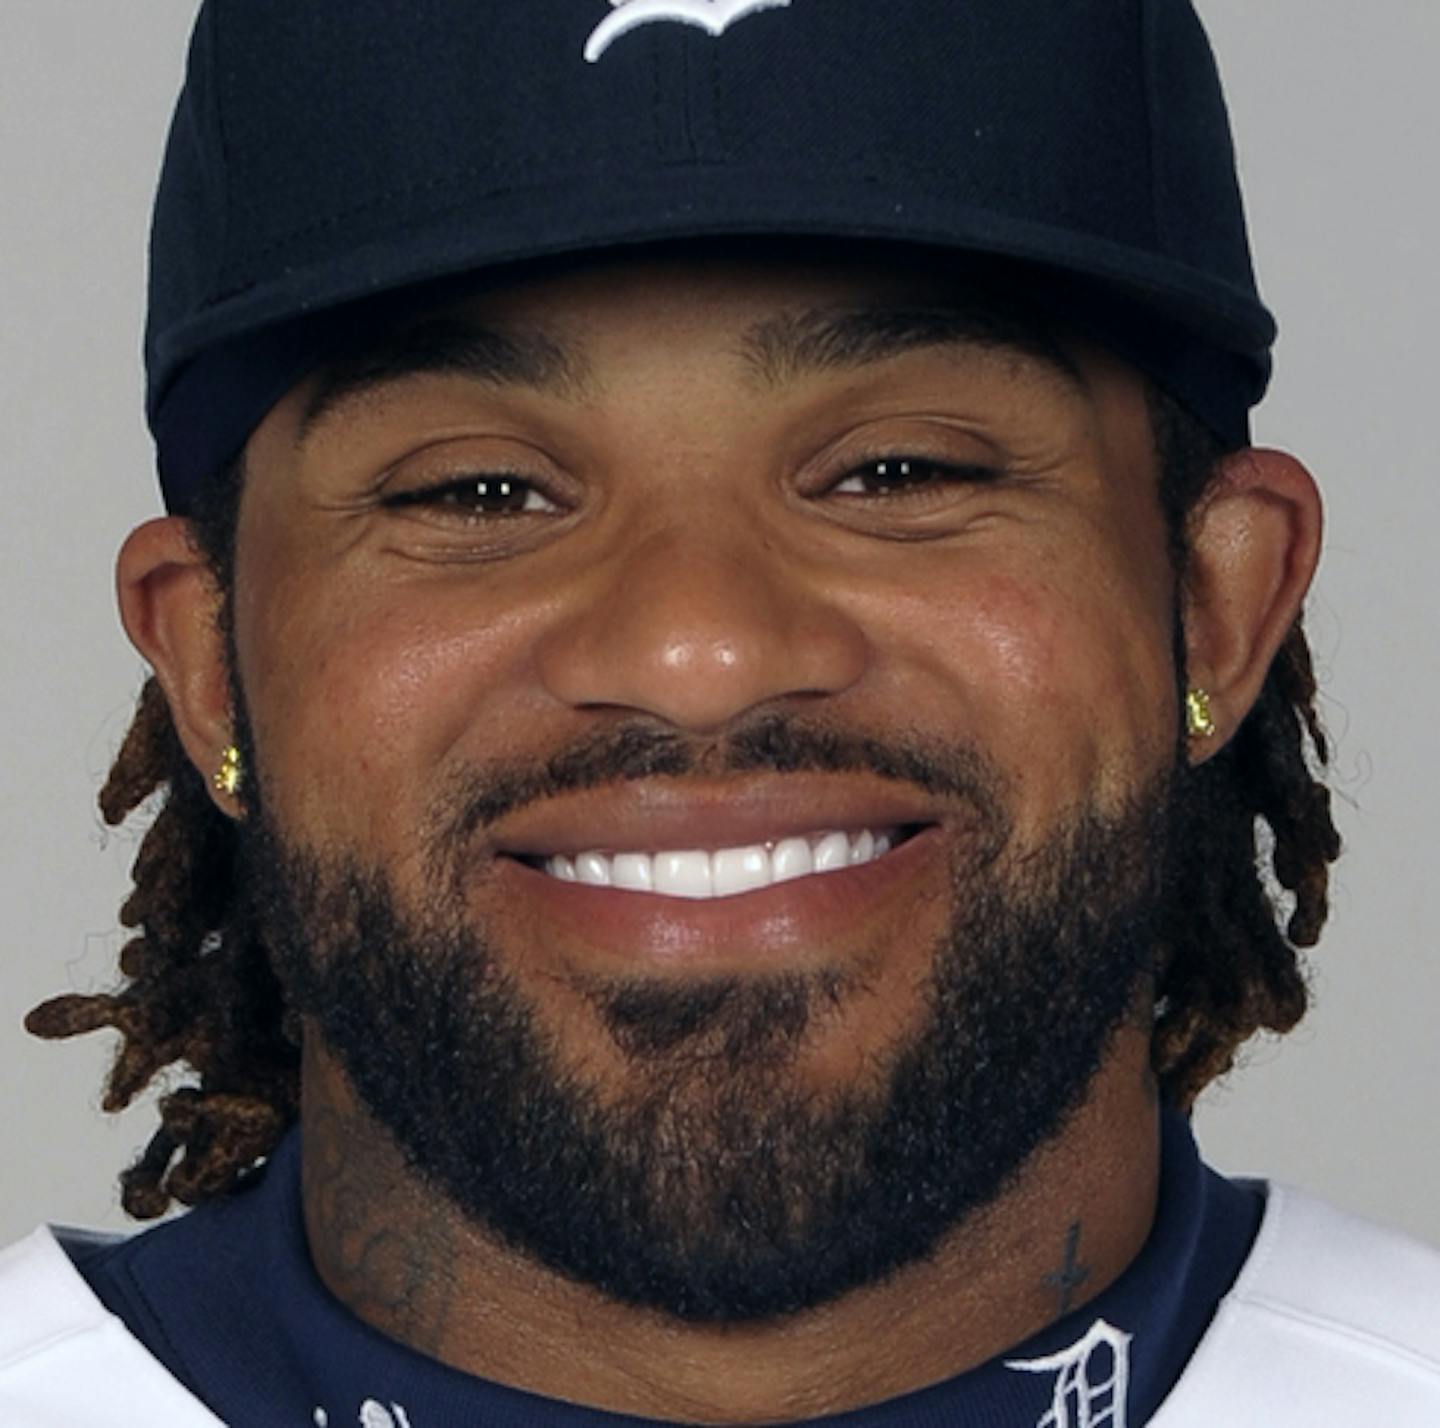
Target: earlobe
x=170 y=607
x=1254 y=544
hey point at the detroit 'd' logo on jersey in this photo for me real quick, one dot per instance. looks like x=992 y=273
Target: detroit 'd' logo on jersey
x=1091 y=1383
x=715 y=16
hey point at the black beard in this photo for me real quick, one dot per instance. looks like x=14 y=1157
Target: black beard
x=715 y=1187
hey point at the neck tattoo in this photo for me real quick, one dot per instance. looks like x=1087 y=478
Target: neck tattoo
x=1070 y=1276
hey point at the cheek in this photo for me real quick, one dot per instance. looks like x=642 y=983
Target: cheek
x=358 y=703
x=1066 y=677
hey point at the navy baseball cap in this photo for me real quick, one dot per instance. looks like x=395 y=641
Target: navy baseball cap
x=328 y=153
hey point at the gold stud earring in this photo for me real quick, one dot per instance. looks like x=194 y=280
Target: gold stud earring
x=1199 y=719
x=230 y=774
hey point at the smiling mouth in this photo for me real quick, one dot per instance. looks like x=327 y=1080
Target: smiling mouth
x=705 y=874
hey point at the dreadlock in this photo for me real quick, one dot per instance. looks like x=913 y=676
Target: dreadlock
x=200 y=992
x=1257 y=833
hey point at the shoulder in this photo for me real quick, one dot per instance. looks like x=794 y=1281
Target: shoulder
x=65 y=1359
x=1345 y=1275
x=1333 y=1320
x=43 y=1300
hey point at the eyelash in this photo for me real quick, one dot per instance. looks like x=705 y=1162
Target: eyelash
x=465 y=494
x=459 y=494
x=901 y=469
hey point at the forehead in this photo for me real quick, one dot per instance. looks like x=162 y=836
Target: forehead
x=773 y=317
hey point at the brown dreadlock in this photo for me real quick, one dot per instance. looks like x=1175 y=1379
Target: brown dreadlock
x=200 y=992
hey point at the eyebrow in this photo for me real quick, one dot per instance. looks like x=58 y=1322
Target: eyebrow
x=784 y=348
x=444 y=347
x=776 y=350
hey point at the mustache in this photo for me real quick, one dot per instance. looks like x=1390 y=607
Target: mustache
x=776 y=743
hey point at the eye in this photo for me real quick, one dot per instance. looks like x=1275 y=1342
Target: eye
x=478 y=497
x=901 y=475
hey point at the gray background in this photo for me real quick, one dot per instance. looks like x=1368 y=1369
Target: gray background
x=1338 y=121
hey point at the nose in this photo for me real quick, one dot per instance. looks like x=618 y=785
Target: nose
x=699 y=626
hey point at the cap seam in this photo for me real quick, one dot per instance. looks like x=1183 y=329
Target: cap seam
x=657 y=79
x=222 y=263
x=1160 y=231
x=687 y=116
x=715 y=137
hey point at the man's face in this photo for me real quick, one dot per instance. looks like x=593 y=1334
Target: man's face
x=665 y=559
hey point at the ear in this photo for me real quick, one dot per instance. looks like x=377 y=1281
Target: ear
x=170 y=607
x=1254 y=545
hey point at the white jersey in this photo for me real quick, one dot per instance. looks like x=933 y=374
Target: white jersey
x=1332 y=1323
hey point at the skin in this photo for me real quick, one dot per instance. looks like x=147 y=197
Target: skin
x=703 y=554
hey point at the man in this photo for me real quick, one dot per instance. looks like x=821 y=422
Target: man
x=719 y=648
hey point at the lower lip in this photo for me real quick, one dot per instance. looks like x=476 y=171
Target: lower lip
x=808 y=915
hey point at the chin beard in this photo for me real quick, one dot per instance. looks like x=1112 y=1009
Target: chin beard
x=715 y=1186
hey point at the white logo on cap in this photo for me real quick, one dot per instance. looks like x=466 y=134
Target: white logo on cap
x=716 y=16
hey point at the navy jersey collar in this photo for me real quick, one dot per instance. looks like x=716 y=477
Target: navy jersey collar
x=228 y=1300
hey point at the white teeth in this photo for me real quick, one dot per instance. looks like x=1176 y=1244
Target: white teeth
x=631 y=870
x=694 y=873
x=593 y=868
x=683 y=874
x=833 y=851
x=792 y=858
x=737 y=870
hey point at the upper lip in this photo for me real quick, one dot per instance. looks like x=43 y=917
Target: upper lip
x=653 y=815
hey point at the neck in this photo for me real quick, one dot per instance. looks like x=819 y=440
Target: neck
x=403 y=1260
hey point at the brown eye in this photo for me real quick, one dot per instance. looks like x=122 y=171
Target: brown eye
x=898 y=474
x=480 y=496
